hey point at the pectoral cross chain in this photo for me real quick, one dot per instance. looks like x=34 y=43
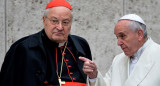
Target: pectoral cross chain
x=61 y=82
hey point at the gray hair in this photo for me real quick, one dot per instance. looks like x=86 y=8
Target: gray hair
x=46 y=13
x=134 y=25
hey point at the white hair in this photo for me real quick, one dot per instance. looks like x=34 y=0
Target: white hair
x=134 y=25
x=46 y=13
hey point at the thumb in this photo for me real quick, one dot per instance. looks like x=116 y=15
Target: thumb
x=84 y=59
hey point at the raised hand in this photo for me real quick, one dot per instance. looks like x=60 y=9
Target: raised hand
x=89 y=68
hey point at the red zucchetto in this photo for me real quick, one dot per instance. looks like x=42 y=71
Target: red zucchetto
x=56 y=3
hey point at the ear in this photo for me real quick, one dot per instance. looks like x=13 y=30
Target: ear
x=44 y=19
x=140 y=34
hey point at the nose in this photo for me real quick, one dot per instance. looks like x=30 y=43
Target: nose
x=60 y=26
x=119 y=42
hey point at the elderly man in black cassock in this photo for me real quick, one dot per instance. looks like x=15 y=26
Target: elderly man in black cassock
x=49 y=57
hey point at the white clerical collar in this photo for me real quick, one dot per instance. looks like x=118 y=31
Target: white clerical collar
x=61 y=44
x=137 y=55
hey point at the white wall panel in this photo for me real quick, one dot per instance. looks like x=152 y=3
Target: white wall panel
x=2 y=31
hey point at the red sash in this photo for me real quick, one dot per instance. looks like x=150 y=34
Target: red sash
x=71 y=84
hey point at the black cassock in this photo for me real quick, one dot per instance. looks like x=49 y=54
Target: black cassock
x=31 y=61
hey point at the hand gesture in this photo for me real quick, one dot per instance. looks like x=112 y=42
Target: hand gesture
x=89 y=68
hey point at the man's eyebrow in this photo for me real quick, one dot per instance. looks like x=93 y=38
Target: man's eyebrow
x=122 y=32
x=53 y=17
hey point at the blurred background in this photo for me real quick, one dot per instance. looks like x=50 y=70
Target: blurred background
x=92 y=19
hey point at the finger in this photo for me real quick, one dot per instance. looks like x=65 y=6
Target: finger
x=91 y=62
x=88 y=71
x=84 y=59
x=90 y=65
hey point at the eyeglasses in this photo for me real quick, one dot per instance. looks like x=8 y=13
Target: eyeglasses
x=56 y=22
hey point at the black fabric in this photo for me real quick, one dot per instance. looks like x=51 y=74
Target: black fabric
x=51 y=47
x=73 y=63
x=27 y=64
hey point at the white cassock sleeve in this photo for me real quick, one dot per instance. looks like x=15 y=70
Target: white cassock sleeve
x=101 y=81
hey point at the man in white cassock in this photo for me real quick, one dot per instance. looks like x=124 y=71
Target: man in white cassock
x=138 y=65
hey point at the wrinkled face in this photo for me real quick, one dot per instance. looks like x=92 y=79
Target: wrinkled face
x=127 y=39
x=57 y=24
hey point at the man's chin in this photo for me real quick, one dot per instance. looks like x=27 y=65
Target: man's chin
x=127 y=54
